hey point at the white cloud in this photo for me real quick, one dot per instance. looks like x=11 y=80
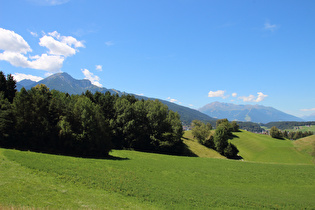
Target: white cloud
x=141 y=94
x=60 y=45
x=109 y=43
x=261 y=97
x=190 y=105
x=270 y=27
x=171 y=99
x=218 y=93
x=308 y=110
x=13 y=42
x=252 y=98
x=90 y=76
x=234 y=94
x=47 y=74
x=15 y=47
x=19 y=77
x=99 y=67
x=16 y=59
x=51 y=63
x=55 y=47
x=34 y=34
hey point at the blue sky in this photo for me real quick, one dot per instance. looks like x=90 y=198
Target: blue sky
x=191 y=52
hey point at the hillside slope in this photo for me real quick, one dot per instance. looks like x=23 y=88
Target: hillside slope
x=306 y=145
x=263 y=148
x=137 y=180
x=198 y=149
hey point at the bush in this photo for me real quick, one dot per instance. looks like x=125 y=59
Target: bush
x=275 y=133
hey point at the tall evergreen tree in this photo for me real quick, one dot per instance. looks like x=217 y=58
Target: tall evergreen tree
x=10 y=88
x=7 y=122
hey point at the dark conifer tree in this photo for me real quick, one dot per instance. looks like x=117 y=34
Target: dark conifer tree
x=10 y=88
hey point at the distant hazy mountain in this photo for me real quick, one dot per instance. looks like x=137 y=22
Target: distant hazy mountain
x=253 y=113
x=24 y=83
x=309 y=117
x=65 y=83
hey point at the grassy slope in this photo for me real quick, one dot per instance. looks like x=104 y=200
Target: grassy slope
x=198 y=149
x=305 y=145
x=27 y=186
x=263 y=148
x=143 y=180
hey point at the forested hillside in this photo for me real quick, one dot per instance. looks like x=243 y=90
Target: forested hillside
x=65 y=83
x=85 y=125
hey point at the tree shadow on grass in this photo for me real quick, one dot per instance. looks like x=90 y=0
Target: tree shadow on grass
x=110 y=157
x=238 y=157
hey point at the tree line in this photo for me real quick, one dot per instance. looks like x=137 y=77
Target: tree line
x=219 y=140
x=89 y=124
x=288 y=124
x=292 y=135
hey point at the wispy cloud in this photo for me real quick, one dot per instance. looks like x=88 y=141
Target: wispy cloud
x=172 y=99
x=19 y=77
x=308 y=110
x=15 y=50
x=270 y=27
x=234 y=94
x=49 y=2
x=252 y=98
x=99 y=67
x=90 y=76
x=218 y=93
x=34 y=34
x=109 y=43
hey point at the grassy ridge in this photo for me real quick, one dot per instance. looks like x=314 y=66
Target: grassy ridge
x=263 y=148
x=305 y=145
x=143 y=180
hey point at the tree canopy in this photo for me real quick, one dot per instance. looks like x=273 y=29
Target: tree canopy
x=85 y=125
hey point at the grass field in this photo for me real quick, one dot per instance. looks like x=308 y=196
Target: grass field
x=305 y=145
x=263 y=148
x=136 y=180
x=198 y=149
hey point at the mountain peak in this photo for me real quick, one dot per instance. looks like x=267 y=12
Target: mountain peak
x=65 y=83
x=255 y=113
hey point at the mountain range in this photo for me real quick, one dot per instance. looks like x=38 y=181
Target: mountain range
x=65 y=83
x=252 y=113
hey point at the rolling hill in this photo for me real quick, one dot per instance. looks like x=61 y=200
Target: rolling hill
x=137 y=180
x=65 y=83
x=275 y=174
x=252 y=113
x=263 y=148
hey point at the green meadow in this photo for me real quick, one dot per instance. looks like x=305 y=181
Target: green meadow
x=137 y=180
x=263 y=148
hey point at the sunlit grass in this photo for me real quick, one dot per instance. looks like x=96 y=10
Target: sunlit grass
x=263 y=148
x=142 y=180
x=198 y=149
